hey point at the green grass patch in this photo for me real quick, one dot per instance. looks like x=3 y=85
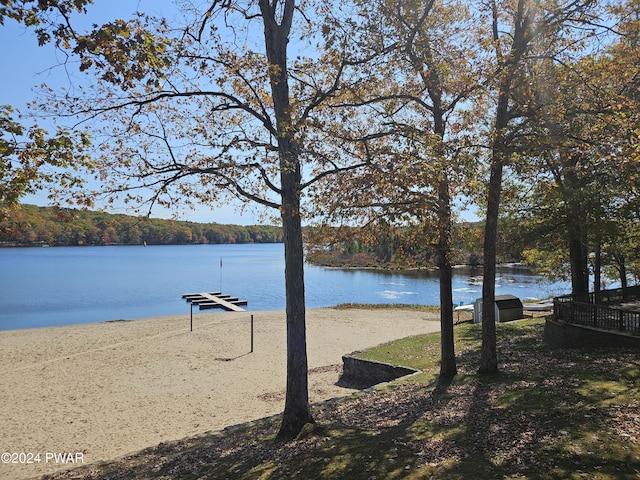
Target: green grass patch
x=548 y=415
x=379 y=306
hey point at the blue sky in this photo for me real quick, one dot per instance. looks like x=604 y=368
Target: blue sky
x=26 y=66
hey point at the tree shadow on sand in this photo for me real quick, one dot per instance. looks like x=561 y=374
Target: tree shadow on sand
x=542 y=417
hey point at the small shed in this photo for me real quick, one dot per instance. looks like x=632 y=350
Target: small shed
x=508 y=307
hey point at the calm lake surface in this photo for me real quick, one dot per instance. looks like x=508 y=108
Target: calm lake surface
x=67 y=285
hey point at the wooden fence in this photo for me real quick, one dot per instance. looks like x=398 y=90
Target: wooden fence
x=605 y=309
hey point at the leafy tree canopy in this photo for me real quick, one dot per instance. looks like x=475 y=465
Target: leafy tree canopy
x=51 y=19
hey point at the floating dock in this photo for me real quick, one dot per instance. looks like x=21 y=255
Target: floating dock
x=208 y=300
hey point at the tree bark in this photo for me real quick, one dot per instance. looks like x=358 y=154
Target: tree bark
x=622 y=269
x=448 y=366
x=597 y=268
x=296 y=410
x=578 y=255
x=488 y=352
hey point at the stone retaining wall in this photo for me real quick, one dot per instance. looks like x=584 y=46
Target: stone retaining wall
x=361 y=373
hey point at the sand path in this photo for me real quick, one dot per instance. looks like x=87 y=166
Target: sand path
x=108 y=389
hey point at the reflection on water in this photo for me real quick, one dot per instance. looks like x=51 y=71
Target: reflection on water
x=66 y=285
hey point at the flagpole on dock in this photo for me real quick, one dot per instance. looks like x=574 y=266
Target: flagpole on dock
x=220 y=273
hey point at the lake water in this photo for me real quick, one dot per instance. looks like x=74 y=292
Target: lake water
x=67 y=285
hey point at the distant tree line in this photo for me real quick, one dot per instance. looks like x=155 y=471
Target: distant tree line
x=32 y=225
x=520 y=240
x=381 y=247
x=384 y=247
x=392 y=247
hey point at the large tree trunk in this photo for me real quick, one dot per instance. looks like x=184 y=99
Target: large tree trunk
x=488 y=352
x=579 y=269
x=296 y=409
x=448 y=366
x=576 y=232
x=578 y=257
x=597 y=268
x=622 y=269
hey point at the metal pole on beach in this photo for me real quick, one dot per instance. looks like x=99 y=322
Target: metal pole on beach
x=251 y=334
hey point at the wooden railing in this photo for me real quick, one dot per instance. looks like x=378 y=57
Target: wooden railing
x=601 y=309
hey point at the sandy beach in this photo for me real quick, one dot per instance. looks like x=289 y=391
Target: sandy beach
x=94 y=392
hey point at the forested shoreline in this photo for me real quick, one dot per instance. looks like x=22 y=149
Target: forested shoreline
x=394 y=248
x=389 y=248
x=31 y=225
